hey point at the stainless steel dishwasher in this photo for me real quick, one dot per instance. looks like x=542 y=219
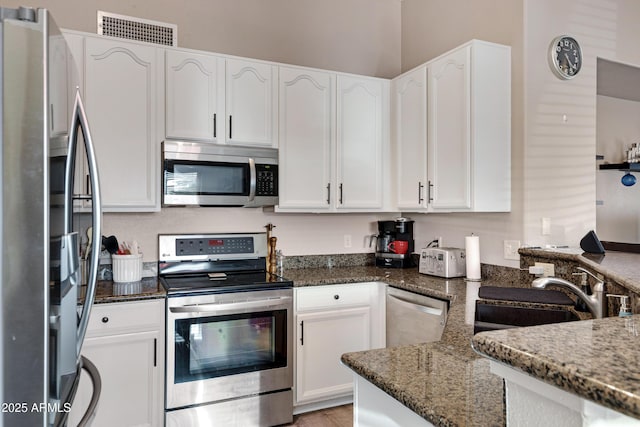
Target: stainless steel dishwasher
x=413 y=318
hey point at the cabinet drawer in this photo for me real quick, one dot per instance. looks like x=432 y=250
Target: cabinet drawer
x=122 y=317
x=333 y=296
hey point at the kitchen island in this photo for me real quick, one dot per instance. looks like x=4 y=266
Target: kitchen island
x=596 y=360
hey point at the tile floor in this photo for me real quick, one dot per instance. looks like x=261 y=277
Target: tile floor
x=340 y=416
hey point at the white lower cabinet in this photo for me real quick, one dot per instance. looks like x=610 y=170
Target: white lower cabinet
x=125 y=341
x=332 y=320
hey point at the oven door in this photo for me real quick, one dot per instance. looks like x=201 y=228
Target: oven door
x=225 y=346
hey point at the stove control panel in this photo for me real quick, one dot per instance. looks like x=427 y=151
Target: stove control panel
x=201 y=247
x=214 y=246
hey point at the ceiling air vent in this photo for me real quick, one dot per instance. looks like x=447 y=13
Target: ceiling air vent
x=128 y=27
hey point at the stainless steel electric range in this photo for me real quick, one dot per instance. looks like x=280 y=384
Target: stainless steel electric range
x=229 y=332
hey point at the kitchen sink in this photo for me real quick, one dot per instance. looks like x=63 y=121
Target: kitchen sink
x=490 y=317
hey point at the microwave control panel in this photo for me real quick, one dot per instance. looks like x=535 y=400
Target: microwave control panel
x=266 y=180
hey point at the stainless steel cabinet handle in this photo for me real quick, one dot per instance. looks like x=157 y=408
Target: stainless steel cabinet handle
x=215 y=126
x=105 y=319
x=430 y=192
x=230 y=126
x=420 y=187
x=329 y=193
x=340 y=193
x=214 y=308
x=302 y=332
x=336 y=297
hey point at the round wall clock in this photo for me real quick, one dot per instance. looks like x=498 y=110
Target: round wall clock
x=565 y=57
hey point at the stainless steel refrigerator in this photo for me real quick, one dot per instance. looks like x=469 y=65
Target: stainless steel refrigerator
x=41 y=332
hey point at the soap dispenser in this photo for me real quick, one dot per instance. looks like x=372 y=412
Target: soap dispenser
x=625 y=309
x=581 y=305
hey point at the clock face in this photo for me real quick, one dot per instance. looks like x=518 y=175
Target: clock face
x=565 y=57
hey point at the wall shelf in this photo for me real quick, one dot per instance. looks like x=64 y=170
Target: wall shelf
x=622 y=166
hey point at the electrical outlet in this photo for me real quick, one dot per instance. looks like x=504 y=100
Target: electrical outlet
x=549 y=270
x=347 y=240
x=511 y=249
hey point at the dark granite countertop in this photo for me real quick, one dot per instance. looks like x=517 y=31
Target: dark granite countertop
x=446 y=383
x=109 y=292
x=596 y=359
x=621 y=267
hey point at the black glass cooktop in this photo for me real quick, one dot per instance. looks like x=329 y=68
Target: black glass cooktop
x=220 y=282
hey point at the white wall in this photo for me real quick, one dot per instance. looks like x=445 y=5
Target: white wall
x=553 y=159
x=618 y=126
x=298 y=234
x=356 y=36
x=430 y=28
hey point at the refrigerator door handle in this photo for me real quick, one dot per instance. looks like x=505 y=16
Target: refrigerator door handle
x=79 y=120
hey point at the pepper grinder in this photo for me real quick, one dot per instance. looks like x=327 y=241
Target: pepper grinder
x=271 y=252
x=273 y=262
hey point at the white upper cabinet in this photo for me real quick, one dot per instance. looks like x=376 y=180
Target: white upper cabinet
x=449 y=169
x=192 y=110
x=359 y=143
x=457 y=108
x=123 y=96
x=306 y=138
x=410 y=120
x=251 y=103
x=332 y=141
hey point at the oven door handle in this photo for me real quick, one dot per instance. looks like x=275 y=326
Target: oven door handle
x=214 y=308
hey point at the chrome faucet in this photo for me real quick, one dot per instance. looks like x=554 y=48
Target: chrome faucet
x=595 y=302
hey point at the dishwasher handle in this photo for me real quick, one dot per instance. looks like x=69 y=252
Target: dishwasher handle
x=424 y=308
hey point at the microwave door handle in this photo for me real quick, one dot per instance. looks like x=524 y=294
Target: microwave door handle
x=79 y=119
x=252 y=179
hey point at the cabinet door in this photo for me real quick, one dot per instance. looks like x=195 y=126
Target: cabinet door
x=192 y=96
x=359 y=143
x=449 y=131
x=251 y=103
x=121 y=97
x=322 y=338
x=306 y=138
x=131 y=380
x=410 y=104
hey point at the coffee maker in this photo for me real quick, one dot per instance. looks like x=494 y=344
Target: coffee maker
x=394 y=243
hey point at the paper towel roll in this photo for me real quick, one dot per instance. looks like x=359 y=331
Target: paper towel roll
x=472 y=254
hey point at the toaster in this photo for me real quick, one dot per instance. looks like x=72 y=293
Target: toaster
x=443 y=262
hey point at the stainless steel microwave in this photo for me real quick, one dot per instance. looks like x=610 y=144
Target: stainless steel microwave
x=206 y=174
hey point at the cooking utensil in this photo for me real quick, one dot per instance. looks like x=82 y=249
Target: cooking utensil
x=110 y=244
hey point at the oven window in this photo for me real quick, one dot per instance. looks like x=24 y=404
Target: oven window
x=206 y=178
x=225 y=345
